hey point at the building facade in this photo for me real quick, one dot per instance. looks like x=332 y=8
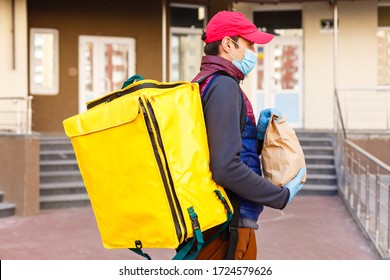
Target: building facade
x=65 y=53
x=57 y=55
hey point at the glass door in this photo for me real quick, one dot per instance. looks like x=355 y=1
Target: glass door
x=279 y=78
x=104 y=64
x=186 y=45
x=186 y=54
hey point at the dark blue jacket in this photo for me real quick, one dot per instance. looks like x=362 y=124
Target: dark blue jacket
x=234 y=161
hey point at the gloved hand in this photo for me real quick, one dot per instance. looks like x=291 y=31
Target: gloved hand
x=264 y=118
x=295 y=184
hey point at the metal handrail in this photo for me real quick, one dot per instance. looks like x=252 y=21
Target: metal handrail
x=369 y=156
x=339 y=114
x=23 y=116
x=366 y=193
x=364 y=185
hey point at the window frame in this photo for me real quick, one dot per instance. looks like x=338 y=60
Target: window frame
x=37 y=89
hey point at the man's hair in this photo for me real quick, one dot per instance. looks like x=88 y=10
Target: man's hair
x=213 y=47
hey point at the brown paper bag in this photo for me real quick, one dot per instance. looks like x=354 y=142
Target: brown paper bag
x=282 y=155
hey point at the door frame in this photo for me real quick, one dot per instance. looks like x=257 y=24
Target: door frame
x=98 y=81
x=269 y=62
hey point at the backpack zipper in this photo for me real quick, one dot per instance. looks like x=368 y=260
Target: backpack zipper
x=171 y=184
x=162 y=173
x=130 y=90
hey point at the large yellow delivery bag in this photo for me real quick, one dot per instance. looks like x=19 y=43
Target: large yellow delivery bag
x=143 y=155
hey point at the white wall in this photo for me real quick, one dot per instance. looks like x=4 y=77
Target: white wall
x=357 y=64
x=13 y=67
x=358 y=43
x=318 y=67
x=13 y=81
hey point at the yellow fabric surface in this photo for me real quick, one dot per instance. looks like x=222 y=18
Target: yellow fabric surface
x=141 y=180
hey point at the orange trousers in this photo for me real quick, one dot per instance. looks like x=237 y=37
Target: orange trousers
x=217 y=249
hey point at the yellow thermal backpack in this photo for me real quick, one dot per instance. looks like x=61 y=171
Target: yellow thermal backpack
x=143 y=154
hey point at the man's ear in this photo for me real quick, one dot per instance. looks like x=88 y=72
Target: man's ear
x=226 y=44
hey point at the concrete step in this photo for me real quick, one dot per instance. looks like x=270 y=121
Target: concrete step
x=55 y=143
x=57 y=154
x=321 y=169
x=56 y=165
x=64 y=201
x=304 y=133
x=320 y=162
x=7 y=209
x=50 y=189
x=60 y=176
x=309 y=189
x=51 y=138
x=315 y=142
x=320 y=159
x=318 y=150
x=321 y=179
x=62 y=144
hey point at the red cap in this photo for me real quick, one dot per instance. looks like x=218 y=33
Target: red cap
x=231 y=24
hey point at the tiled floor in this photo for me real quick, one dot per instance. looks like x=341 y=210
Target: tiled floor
x=310 y=228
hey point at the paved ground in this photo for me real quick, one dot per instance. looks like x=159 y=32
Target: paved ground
x=310 y=228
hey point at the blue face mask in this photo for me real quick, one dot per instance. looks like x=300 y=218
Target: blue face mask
x=247 y=63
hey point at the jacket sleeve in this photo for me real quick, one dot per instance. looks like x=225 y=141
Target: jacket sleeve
x=222 y=117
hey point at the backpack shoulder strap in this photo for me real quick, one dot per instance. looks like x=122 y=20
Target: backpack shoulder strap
x=205 y=96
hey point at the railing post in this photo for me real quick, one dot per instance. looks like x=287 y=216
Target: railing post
x=29 y=115
x=367 y=207
x=377 y=207
x=347 y=173
x=359 y=187
x=352 y=189
x=387 y=112
x=388 y=220
x=18 y=117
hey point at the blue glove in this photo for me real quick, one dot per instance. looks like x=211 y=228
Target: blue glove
x=295 y=184
x=264 y=118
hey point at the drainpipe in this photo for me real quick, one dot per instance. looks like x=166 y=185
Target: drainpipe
x=164 y=41
x=13 y=34
x=335 y=67
x=335 y=42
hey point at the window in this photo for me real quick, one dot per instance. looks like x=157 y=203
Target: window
x=104 y=64
x=44 y=68
x=383 y=46
x=186 y=46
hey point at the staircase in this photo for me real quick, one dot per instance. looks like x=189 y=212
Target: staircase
x=61 y=185
x=6 y=208
x=320 y=162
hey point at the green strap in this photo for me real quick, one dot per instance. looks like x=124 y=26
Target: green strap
x=131 y=80
x=139 y=252
x=183 y=252
x=229 y=216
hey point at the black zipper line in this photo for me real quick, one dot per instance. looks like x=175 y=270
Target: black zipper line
x=161 y=169
x=159 y=139
x=115 y=95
